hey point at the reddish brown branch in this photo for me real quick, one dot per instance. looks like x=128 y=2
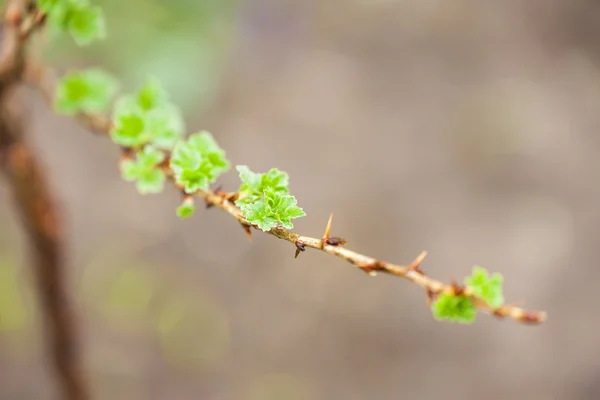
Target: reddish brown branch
x=36 y=208
x=41 y=222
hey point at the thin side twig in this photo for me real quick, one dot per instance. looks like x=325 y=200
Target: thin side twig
x=35 y=205
x=42 y=78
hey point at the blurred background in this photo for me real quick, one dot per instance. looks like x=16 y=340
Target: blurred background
x=465 y=128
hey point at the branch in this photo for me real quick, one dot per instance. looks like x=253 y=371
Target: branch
x=35 y=205
x=43 y=79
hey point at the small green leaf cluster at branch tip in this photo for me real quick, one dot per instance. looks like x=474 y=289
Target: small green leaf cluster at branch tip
x=454 y=308
x=187 y=208
x=460 y=308
x=88 y=91
x=147 y=117
x=82 y=20
x=264 y=199
x=144 y=170
x=198 y=162
x=486 y=287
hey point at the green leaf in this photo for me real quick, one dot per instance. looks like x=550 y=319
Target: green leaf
x=276 y=209
x=250 y=180
x=147 y=117
x=187 y=208
x=57 y=12
x=129 y=170
x=264 y=199
x=49 y=5
x=151 y=181
x=454 y=308
x=275 y=180
x=283 y=207
x=150 y=157
x=89 y=91
x=129 y=124
x=151 y=95
x=165 y=126
x=185 y=157
x=259 y=214
x=198 y=162
x=85 y=23
x=487 y=287
x=254 y=184
x=144 y=170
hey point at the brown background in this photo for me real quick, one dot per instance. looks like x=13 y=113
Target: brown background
x=465 y=128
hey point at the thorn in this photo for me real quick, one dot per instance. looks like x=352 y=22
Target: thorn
x=247 y=229
x=326 y=239
x=416 y=264
x=299 y=247
x=328 y=228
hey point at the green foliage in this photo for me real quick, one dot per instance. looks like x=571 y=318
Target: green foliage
x=454 y=308
x=187 y=208
x=274 y=209
x=488 y=288
x=89 y=91
x=459 y=308
x=151 y=95
x=254 y=184
x=265 y=200
x=82 y=20
x=198 y=162
x=143 y=169
x=147 y=117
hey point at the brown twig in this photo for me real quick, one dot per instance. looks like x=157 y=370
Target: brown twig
x=35 y=205
x=42 y=79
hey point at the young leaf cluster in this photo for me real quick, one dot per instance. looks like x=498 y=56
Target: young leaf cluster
x=149 y=125
x=460 y=308
x=198 y=161
x=187 y=208
x=147 y=117
x=143 y=169
x=486 y=287
x=82 y=20
x=86 y=91
x=265 y=200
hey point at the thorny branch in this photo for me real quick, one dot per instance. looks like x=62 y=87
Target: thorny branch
x=43 y=79
x=35 y=205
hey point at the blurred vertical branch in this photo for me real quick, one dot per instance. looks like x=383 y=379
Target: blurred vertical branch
x=35 y=205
